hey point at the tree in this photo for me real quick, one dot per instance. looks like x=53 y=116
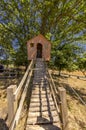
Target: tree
x=22 y=19
x=65 y=57
x=82 y=63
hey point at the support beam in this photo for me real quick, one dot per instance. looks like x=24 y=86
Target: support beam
x=10 y=102
x=63 y=107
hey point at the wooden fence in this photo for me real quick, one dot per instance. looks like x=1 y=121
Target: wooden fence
x=16 y=96
x=11 y=73
x=70 y=75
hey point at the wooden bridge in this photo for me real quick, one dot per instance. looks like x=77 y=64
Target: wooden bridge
x=47 y=108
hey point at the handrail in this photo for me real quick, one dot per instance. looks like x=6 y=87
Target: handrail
x=52 y=81
x=70 y=75
x=53 y=89
x=16 y=99
x=59 y=97
x=22 y=81
x=17 y=115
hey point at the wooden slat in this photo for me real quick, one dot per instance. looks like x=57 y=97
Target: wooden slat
x=45 y=119
x=46 y=113
x=54 y=126
x=44 y=108
x=38 y=104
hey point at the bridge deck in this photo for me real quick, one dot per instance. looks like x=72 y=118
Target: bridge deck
x=42 y=113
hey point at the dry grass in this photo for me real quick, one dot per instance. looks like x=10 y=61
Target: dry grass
x=76 y=110
x=4 y=83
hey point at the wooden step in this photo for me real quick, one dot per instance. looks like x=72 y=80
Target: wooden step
x=41 y=92
x=44 y=113
x=43 y=95
x=54 y=126
x=37 y=75
x=41 y=100
x=47 y=99
x=39 y=87
x=38 y=96
x=43 y=104
x=39 y=80
x=42 y=84
x=43 y=108
x=42 y=120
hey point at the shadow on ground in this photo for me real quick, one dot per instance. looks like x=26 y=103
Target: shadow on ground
x=3 y=125
x=47 y=126
x=80 y=92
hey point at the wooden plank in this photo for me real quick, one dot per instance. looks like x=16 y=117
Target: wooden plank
x=42 y=120
x=44 y=113
x=41 y=92
x=54 y=126
x=10 y=102
x=44 y=108
x=35 y=100
x=43 y=104
x=41 y=88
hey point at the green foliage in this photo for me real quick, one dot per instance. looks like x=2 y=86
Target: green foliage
x=61 y=21
x=21 y=57
x=65 y=57
x=82 y=62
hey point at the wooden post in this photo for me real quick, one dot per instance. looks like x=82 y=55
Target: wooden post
x=10 y=101
x=63 y=107
x=15 y=101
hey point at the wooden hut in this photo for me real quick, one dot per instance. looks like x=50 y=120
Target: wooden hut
x=39 y=47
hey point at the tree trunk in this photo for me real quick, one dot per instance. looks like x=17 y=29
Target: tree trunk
x=59 y=70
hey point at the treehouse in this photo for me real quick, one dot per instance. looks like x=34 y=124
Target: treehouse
x=39 y=47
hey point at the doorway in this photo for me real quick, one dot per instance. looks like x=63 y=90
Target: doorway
x=39 y=50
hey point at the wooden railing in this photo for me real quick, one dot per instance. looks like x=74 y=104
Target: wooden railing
x=10 y=73
x=16 y=96
x=59 y=97
x=69 y=75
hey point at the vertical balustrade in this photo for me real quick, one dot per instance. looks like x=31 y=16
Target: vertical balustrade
x=63 y=108
x=11 y=103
